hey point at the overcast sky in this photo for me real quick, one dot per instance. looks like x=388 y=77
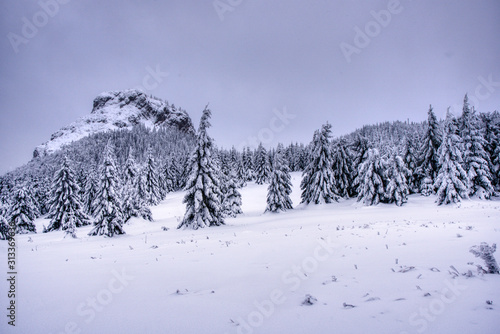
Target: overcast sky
x=248 y=60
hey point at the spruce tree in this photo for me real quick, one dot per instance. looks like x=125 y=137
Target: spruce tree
x=108 y=205
x=151 y=185
x=168 y=176
x=262 y=168
x=203 y=194
x=23 y=211
x=248 y=164
x=397 y=189
x=133 y=205
x=429 y=157
x=317 y=183
x=410 y=158
x=342 y=167
x=280 y=187
x=91 y=187
x=231 y=196
x=4 y=228
x=451 y=182
x=370 y=179
x=491 y=134
x=66 y=210
x=476 y=160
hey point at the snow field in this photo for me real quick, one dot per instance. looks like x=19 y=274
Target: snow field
x=252 y=275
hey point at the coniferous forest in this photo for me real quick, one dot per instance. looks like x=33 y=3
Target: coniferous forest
x=109 y=177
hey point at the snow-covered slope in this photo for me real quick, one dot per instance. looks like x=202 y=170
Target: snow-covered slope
x=389 y=265
x=118 y=110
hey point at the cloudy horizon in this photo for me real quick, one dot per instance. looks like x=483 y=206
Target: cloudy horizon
x=347 y=63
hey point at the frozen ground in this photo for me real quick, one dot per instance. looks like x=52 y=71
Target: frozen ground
x=252 y=275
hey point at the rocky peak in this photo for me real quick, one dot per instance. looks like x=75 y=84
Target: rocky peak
x=118 y=110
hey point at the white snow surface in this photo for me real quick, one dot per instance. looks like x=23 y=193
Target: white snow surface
x=252 y=275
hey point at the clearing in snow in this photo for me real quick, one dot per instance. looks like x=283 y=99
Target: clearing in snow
x=332 y=268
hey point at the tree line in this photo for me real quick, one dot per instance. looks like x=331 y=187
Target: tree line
x=107 y=178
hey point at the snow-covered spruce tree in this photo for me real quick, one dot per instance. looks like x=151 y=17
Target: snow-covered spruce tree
x=248 y=164
x=410 y=158
x=317 y=183
x=476 y=160
x=91 y=187
x=168 y=176
x=4 y=228
x=108 y=205
x=451 y=182
x=133 y=205
x=23 y=211
x=240 y=173
x=130 y=171
x=280 y=187
x=151 y=185
x=429 y=157
x=491 y=133
x=66 y=210
x=203 y=206
x=231 y=196
x=262 y=168
x=370 y=179
x=496 y=164
x=397 y=189
x=342 y=167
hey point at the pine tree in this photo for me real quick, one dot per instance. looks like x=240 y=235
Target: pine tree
x=130 y=172
x=317 y=183
x=168 y=176
x=429 y=157
x=203 y=206
x=342 y=169
x=370 y=179
x=262 y=168
x=23 y=211
x=410 y=158
x=451 y=182
x=397 y=189
x=231 y=197
x=476 y=160
x=151 y=186
x=240 y=173
x=280 y=187
x=108 y=205
x=66 y=210
x=248 y=164
x=4 y=228
x=90 y=193
x=491 y=126
x=133 y=205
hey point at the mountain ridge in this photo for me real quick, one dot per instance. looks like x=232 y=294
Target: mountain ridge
x=115 y=110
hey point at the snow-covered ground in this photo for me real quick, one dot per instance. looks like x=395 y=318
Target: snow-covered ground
x=381 y=269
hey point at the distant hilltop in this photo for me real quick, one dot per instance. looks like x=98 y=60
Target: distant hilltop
x=119 y=110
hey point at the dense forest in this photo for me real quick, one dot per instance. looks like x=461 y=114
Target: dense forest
x=106 y=178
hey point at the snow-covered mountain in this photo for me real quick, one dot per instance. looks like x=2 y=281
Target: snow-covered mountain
x=118 y=110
